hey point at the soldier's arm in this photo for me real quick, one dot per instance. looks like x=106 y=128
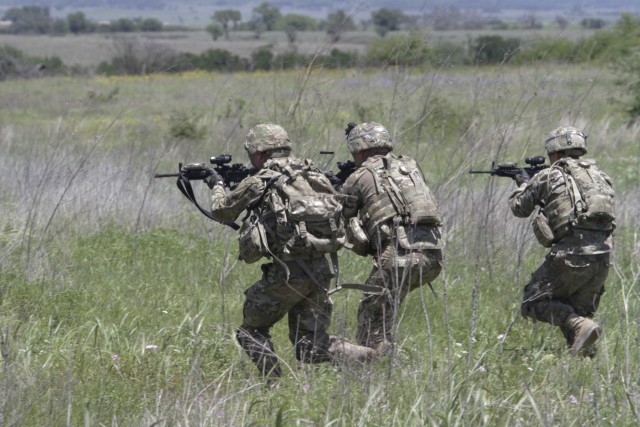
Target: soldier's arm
x=353 y=199
x=227 y=207
x=528 y=195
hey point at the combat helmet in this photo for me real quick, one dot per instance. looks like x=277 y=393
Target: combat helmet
x=368 y=135
x=566 y=139
x=266 y=137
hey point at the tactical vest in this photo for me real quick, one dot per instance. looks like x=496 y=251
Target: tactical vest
x=401 y=194
x=585 y=201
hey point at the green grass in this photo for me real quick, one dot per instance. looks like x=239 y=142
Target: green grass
x=119 y=301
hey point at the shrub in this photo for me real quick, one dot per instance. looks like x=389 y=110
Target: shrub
x=398 y=50
x=183 y=125
x=494 y=49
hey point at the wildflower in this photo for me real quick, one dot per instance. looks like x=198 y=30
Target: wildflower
x=572 y=399
x=306 y=388
x=115 y=357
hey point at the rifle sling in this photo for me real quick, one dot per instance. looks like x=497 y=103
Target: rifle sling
x=185 y=188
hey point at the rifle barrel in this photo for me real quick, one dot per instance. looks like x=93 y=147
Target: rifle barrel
x=477 y=171
x=165 y=175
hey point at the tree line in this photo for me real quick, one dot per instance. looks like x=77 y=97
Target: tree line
x=38 y=20
x=266 y=17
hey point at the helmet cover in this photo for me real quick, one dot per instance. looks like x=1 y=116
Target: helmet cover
x=368 y=135
x=564 y=139
x=266 y=137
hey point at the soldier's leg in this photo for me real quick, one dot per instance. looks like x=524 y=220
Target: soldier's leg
x=375 y=311
x=310 y=317
x=267 y=301
x=551 y=295
x=586 y=297
x=543 y=299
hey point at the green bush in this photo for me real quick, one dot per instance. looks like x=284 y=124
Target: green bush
x=185 y=125
x=493 y=49
x=548 y=49
x=408 y=50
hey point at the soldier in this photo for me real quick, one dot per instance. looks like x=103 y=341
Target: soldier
x=292 y=284
x=394 y=218
x=576 y=220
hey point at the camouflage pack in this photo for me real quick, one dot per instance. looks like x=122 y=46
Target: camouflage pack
x=592 y=194
x=591 y=197
x=404 y=185
x=307 y=210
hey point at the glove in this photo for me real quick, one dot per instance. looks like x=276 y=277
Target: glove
x=522 y=177
x=214 y=179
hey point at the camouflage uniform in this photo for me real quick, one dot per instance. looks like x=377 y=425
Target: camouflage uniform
x=286 y=286
x=569 y=282
x=406 y=255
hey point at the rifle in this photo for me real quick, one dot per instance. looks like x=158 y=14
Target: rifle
x=231 y=177
x=345 y=169
x=511 y=169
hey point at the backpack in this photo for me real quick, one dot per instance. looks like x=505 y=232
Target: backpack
x=591 y=194
x=409 y=194
x=307 y=211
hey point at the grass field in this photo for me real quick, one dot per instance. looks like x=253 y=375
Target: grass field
x=119 y=301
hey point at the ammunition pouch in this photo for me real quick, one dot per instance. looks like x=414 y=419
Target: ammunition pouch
x=252 y=240
x=542 y=230
x=357 y=239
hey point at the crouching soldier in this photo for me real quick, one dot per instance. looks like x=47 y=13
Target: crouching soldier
x=394 y=218
x=293 y=218
x=575 y=218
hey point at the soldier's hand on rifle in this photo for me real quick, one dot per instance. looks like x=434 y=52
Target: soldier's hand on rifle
x=214 y=179
x=522 y=177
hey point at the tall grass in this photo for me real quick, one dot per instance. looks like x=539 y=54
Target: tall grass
x=119 y=302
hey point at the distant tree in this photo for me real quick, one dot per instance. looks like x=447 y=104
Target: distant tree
x=224 y=17
x=292 y=23
x=29 y=19
x=593 y=23
x=151 y=24
x=494 y=49
x=124 y=25
x=60 y=26
x=385 y=20
x=261 y=59
x=267 y=15
x=215 y=30
x=562 y=22
x=78 y=23
x=337 y=23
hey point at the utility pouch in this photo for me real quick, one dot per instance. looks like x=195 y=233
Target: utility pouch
x=542 y=230
x=252 y=240
x=357 y=238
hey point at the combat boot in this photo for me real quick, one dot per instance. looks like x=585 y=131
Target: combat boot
x=384 y=348
x=342 y=351
x=585 y=334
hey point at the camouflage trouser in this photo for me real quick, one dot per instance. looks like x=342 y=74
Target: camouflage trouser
x=303 y=299
x=399 y=272
x=565 y=284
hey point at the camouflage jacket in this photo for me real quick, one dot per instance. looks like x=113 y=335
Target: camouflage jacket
x=225 y=207
x=545 y=188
